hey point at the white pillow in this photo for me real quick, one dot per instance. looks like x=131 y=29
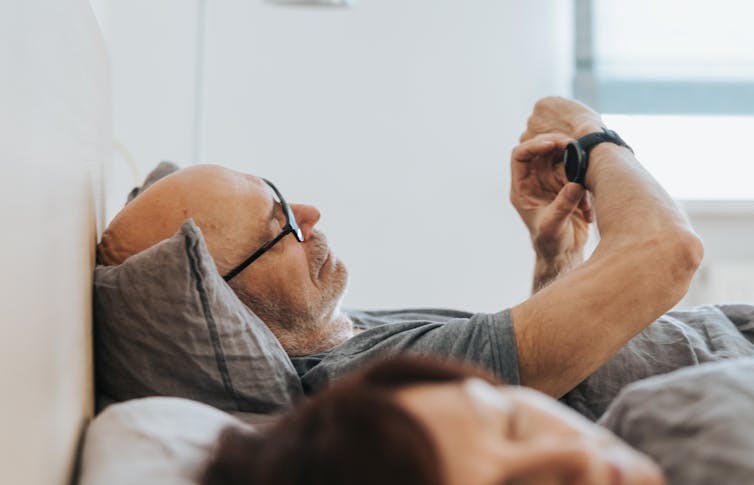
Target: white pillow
x=160 y=440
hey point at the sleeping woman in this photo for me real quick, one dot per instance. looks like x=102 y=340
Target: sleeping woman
x=411 y=420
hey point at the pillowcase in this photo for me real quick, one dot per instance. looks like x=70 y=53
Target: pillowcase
x=153 y=440
x=697 y=423
x=165 y=323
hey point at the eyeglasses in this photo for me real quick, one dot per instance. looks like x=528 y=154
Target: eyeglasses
x=291 y=226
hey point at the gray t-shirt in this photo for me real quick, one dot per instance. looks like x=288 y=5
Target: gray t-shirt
x=482 y=339
x=677 y=339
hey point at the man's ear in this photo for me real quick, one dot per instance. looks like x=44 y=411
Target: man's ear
x=107 y=250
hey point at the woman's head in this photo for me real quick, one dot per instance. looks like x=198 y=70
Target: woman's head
x=417 y=421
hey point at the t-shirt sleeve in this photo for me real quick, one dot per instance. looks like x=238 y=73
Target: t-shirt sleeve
x=483 y=339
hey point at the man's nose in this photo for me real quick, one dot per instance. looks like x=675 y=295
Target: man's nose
x=307 y=217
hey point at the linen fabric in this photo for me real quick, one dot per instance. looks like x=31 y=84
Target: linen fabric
x=161 y=440
x=678 y=339
x=697 y=423
x=166 y=324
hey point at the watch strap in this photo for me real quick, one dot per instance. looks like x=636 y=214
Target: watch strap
x=591 y=140
x=576 y=156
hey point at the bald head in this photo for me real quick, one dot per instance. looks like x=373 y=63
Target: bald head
x=220 y=201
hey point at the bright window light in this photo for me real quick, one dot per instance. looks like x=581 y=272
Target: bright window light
x=676 y=78
x=674 y=39
x=693 y=157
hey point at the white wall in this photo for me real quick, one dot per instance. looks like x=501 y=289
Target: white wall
x=727 y=273
x=152 y=46
x=395 y=117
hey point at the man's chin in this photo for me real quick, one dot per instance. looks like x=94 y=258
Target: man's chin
x=337 y=285
x=332 y=268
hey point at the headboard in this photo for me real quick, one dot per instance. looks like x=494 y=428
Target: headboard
x=55 y=134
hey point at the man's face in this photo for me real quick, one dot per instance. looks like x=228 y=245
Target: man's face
x=293 y=285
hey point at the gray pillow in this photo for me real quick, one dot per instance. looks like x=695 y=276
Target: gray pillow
x=697 y=423
x=166 y=324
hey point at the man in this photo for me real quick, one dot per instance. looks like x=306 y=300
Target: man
x=580 y=315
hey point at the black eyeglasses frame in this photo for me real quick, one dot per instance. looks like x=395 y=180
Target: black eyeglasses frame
x=291 y=226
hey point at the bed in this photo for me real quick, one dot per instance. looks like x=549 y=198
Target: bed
x=55 y=123
x=56 y=139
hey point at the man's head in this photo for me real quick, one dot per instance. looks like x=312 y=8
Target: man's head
x=294 y=287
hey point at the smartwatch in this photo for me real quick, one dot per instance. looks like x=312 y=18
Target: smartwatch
x=576 y=156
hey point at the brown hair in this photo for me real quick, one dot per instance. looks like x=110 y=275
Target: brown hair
x=354 y=432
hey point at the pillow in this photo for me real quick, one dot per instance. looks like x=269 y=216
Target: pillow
x=165 y=323
x=697 y=423
x=153 y=440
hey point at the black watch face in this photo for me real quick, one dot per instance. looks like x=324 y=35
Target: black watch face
x=572 y=161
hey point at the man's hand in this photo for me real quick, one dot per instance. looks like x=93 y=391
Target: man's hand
x=557 y=213
x=560 y=115
x=641 y=267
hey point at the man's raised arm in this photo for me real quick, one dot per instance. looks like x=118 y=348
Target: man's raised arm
x=642 y=266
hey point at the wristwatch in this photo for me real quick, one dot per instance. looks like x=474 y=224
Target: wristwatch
x=576 y=156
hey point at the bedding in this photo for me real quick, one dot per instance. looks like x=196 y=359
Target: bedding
x=677 y=339
x=697 y=423
x=153 y=440
x=167 y=324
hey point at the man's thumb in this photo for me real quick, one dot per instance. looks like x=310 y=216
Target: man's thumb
x=568 y=199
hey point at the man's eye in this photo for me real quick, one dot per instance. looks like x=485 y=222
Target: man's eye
x=277 y=224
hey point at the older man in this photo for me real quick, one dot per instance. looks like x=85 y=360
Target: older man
x=580 y=314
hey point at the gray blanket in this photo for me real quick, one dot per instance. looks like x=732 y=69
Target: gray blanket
x=696 y=422
x=678 y=339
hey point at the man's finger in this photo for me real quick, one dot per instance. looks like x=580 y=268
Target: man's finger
x=585 y=206
x=530 y=150
x=561 y=208
x=533 y=148
x=539 y=145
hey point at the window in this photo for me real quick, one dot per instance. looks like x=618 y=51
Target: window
x=676 y=80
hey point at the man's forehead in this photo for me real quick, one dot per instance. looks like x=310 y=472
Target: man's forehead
x=264 y=199
x=259 y=186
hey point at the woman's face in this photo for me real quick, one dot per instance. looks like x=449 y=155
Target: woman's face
x=507 y=435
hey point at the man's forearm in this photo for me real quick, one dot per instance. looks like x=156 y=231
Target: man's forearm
x=641 y=267
x=547 y=270
x=630 y=204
